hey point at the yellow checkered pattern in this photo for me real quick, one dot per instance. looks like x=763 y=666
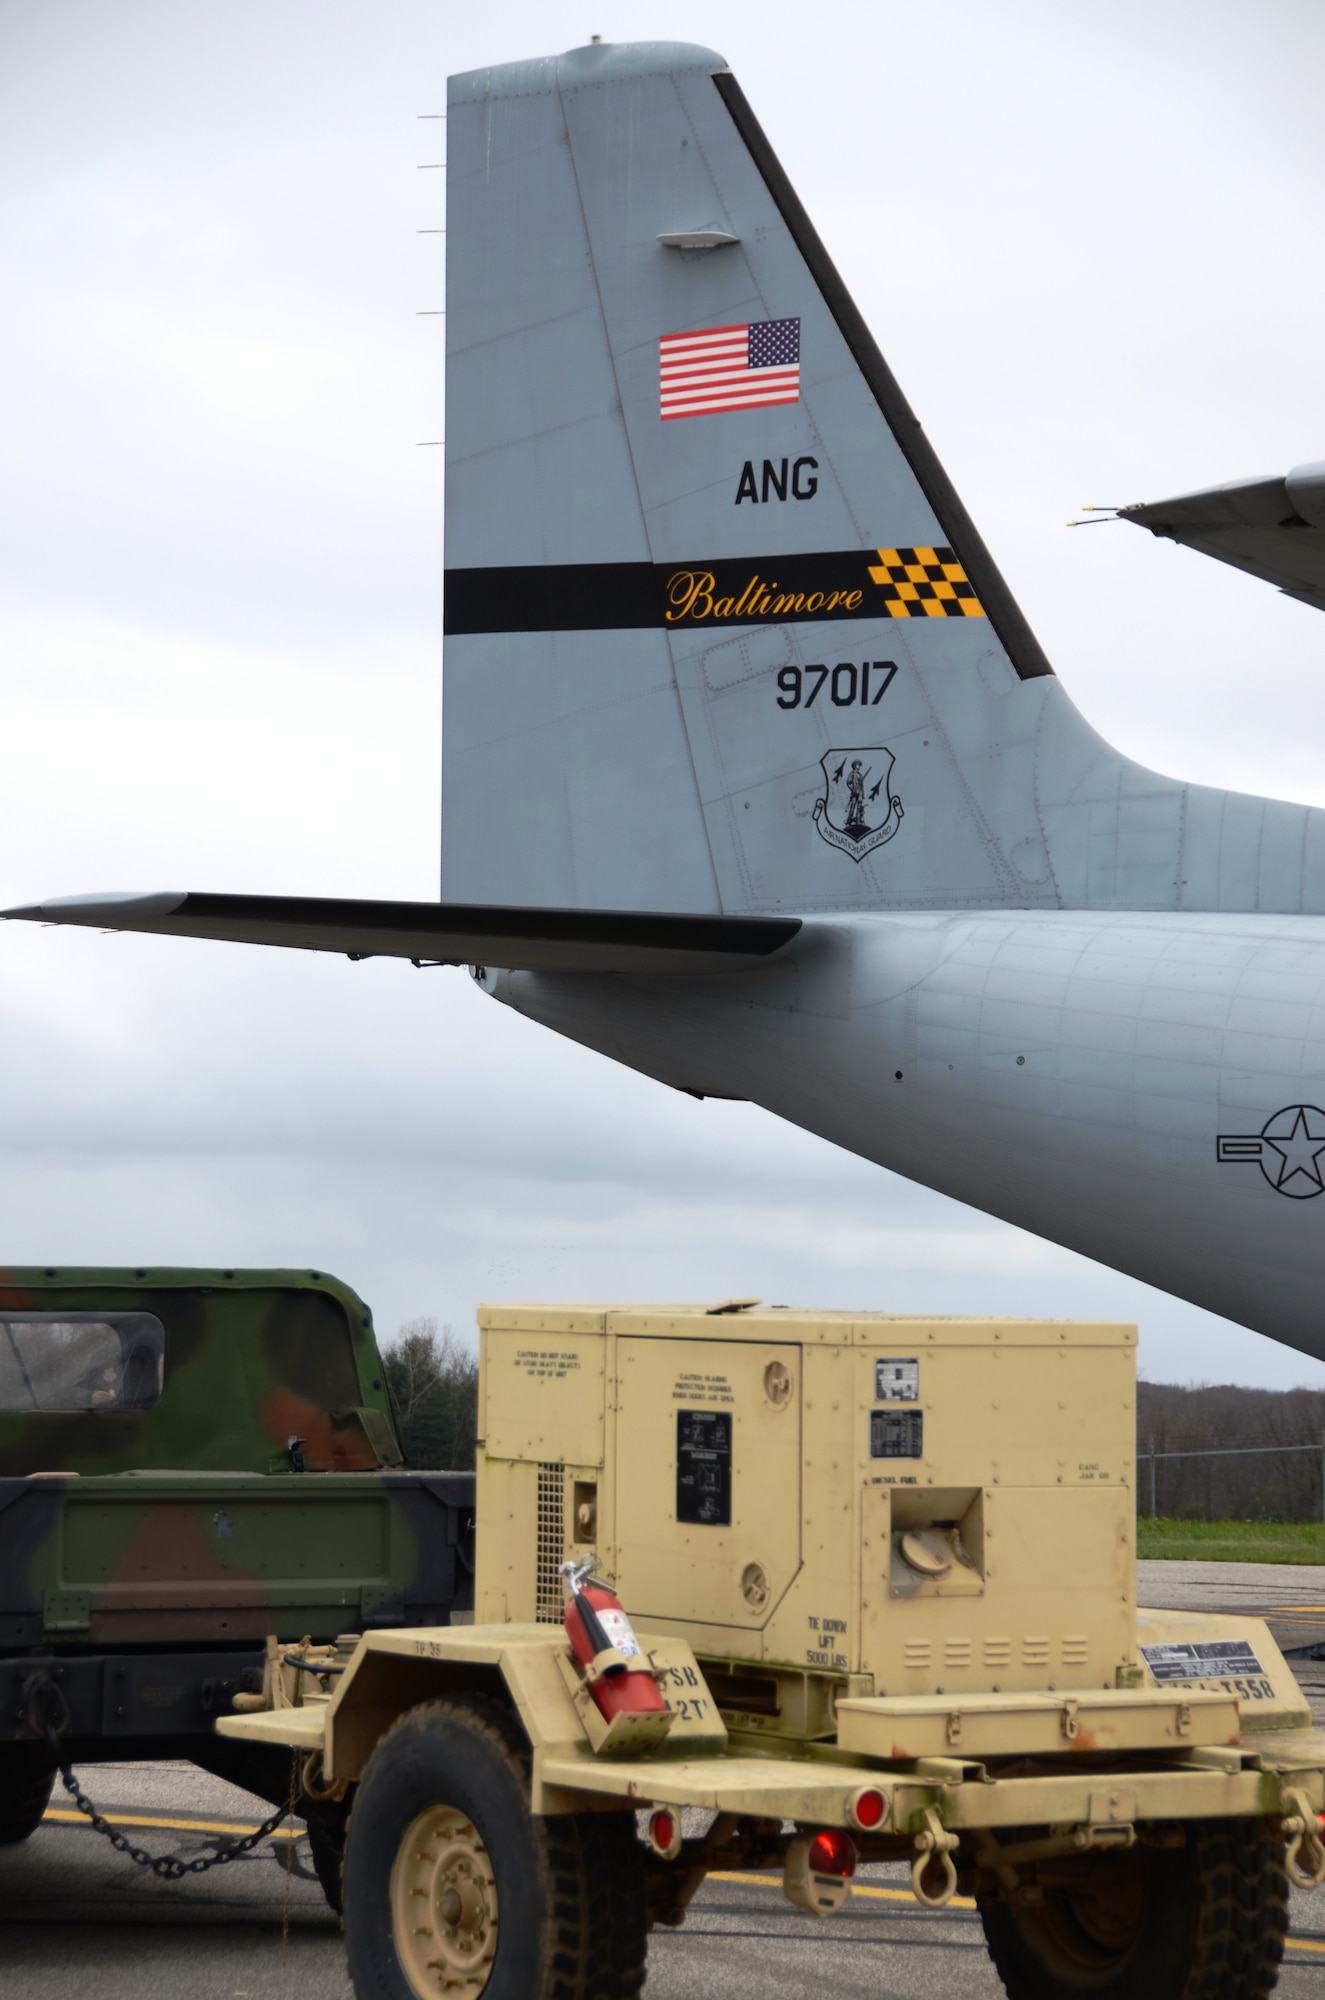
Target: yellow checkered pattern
x=925 y=583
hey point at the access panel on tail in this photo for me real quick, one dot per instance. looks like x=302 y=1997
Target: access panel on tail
x=719 y=634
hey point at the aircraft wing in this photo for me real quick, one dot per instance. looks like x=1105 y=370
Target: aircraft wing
x=1272 y=528
x=522 y=940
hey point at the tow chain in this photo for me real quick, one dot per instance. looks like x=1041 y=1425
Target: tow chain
x=45 y=1720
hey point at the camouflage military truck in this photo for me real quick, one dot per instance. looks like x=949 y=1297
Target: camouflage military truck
x=190 y=1460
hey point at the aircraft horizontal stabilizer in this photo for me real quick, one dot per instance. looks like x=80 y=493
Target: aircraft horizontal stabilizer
x=1272 y=528
x=521 y=940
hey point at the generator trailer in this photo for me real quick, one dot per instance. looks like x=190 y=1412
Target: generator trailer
x=772 y=1590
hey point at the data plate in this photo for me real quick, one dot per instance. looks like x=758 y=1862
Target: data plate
x=704 y=1467
x=1201 y=1660
x=896 y=1379
x=897 y=1434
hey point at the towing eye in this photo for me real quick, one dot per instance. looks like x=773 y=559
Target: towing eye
x=934 y=1843
x=1302 y=1825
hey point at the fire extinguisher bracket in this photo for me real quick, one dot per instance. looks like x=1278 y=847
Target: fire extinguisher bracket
x=610 y=1661
x=625 y=1734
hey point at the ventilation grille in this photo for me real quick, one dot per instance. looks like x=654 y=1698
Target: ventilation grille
x=1076 y=1648
x=917 y=1653
x=998 y=1652
x=1035 y=1650
x=956 y=1652
x=549 y=1591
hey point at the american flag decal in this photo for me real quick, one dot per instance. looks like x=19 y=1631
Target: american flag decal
x=729 y=368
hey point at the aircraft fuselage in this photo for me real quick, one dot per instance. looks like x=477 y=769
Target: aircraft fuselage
x=1144 y=1088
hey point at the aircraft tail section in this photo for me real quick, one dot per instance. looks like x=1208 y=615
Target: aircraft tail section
x=720 y=635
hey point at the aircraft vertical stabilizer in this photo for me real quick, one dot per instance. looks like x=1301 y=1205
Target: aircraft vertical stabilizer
x=720 y=635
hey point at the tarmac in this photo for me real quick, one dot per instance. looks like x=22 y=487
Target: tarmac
x=1289 y=1596
x=77 y=1917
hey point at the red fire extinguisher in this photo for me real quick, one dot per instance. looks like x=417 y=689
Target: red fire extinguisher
x=602 y=1638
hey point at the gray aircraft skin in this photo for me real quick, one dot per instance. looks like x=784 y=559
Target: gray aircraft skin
x=1272 y=528
x=755 y=778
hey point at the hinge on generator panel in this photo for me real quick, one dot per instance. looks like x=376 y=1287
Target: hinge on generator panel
x=1069 y=1722
x=955 y=1727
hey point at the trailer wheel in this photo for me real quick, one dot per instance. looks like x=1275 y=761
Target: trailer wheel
x=25 y=1794
x=326 y=1847
x=453 y=1887
x=1204 y=1921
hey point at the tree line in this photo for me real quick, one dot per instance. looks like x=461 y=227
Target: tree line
x=1258 y=1480
x=433 y=1378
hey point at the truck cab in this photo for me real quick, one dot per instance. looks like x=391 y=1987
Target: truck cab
x=189 y=1460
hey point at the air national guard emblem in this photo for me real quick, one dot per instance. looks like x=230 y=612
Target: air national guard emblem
x=859 y=810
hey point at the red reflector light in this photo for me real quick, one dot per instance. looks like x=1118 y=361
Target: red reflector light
x=832 y=1852
x=665 y=1832
x=868 y=1808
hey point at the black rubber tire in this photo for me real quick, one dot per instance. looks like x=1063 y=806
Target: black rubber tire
x=572 y=1923
x=1211 y=1924
x=25 y=1794
x=326 y=1851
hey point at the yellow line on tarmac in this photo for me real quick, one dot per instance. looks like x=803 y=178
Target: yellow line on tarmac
x=857 y=1889
x=957 y=1903
x=67 y=1818
x=64 y=1817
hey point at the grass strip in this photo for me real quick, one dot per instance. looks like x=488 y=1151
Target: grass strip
x=1168 y=1540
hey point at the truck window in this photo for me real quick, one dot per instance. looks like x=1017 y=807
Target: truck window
x=81 y=1361
x=306 y=1343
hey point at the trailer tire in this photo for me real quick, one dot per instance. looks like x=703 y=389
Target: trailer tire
x=25 y=1793
x=510 y=1904
x=1204 y=1921
x=326 y=1847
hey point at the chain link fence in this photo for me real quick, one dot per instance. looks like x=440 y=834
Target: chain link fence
x=1281 y=1482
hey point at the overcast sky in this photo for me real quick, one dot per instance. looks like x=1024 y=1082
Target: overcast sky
x=1088 y=239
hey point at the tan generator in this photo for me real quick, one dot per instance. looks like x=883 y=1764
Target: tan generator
x=895 y=1505
x=771 y=1590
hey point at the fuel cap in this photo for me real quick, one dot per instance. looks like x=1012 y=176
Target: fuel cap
x=926 y=1552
